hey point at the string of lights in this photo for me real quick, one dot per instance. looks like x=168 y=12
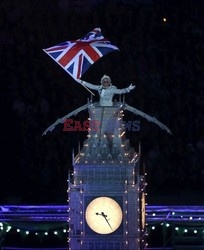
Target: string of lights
x=180 y=221
x=179 y=228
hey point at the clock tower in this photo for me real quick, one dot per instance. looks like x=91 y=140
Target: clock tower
x=106 y=191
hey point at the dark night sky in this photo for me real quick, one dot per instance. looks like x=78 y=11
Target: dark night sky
x=163 y=59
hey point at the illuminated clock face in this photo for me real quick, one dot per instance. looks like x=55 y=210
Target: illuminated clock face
x=103 y=215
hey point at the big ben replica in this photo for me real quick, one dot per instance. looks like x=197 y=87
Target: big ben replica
x=106 y=190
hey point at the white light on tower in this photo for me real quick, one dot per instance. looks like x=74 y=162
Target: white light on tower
x=8 y=229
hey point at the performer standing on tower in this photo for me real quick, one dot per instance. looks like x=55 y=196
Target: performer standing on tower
x=106 y=90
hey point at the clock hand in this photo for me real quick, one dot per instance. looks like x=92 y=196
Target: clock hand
x=104 y=216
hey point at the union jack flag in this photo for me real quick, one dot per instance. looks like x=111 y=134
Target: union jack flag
x=75 y=57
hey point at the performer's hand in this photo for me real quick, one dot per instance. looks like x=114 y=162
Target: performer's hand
x=131 y=87
x=79 y=80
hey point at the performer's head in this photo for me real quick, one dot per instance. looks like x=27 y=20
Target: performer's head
x=106 y=81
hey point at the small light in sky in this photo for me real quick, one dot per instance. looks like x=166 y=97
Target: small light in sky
x=164 y=19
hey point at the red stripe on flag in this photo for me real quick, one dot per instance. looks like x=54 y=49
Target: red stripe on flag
x=91 y=53
x=69 y=55
x=79 y=67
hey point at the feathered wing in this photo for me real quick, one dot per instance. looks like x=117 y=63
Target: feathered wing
x=61 y=120
x=147 y=117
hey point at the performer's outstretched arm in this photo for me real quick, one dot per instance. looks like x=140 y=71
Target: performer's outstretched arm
x=88 y=85
x=123 y=91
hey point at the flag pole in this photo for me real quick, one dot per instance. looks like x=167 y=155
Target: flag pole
x=87 y=88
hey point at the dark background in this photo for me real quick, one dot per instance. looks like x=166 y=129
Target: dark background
x=163 y=59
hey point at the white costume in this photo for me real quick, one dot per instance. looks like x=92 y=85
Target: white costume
x=106 y=93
